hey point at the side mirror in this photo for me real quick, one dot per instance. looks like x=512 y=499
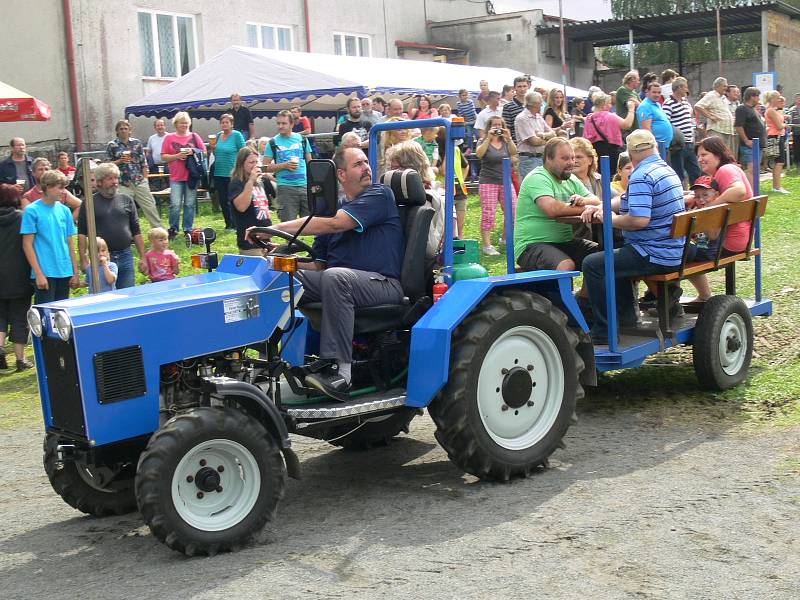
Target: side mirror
x=323 y=188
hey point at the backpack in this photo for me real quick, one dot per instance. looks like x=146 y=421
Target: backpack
x=274 y=147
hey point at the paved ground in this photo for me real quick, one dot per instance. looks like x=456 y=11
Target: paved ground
x=641 y=504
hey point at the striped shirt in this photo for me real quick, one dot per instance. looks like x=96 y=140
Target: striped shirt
x=679 y=113
x=466 y=109
x=655 y=192
x=510 y=112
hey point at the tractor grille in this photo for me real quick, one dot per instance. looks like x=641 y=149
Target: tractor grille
x=62 y=385
x=119 y=374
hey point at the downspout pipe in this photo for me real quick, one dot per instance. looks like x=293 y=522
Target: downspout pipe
x=77 y=126
x=307 y=16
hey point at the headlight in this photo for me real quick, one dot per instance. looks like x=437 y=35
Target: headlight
x=35 y=322
x=63 y=325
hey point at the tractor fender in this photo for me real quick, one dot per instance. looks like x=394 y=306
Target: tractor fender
x=257 y=403
x=429 y=363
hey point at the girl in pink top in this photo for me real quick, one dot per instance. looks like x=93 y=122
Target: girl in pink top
x=716 y=161
x=162 y=263
x=776 y=134
x=177 y=147
x=604 y=128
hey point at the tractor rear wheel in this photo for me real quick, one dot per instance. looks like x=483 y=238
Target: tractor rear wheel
x=209 y=480
x=94 y=491
x=513 y=385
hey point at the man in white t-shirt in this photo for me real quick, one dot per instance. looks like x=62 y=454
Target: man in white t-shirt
x=154 y=144
x=492 y=109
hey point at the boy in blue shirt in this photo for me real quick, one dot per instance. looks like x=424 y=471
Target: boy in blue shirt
x=47 y=230
x=287 y=154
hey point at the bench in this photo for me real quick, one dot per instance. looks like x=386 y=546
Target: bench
x=707 y=220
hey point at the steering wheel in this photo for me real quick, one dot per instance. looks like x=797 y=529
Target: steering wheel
x=293 y=245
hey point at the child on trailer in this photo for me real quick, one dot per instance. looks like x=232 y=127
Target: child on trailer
x=107 y=271
x=162 y=263
x=704 y=191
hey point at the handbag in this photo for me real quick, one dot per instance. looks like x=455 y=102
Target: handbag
x=678 y=139
x=197 y=166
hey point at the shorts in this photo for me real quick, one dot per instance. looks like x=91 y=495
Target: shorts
x=548 y=255
x=781 y=157
x=745 y=155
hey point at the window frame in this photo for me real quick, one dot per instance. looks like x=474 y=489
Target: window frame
x=275 y=27
x=153 y=14
x=356 y=36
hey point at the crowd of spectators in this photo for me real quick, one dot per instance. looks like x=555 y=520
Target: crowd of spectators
x=552 y=141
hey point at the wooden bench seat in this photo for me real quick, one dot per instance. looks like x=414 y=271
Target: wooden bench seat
x=714 y=221
x=694 y=268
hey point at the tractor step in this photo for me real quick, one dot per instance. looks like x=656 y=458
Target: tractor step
x=369 y=403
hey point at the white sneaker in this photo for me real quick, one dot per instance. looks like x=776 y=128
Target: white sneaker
x=490 y=251
x=781 y=190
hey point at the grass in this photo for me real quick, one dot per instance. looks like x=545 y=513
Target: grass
x=770 y=395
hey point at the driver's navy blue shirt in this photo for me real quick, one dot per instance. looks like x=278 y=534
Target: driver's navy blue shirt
x=376 y=244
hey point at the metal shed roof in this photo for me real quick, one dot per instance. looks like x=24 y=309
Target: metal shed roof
x=670 y=27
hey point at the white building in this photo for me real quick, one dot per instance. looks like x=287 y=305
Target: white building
x=126 y=49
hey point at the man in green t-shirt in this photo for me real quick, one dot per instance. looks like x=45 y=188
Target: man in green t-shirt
x=547 y=193
x=629 y=90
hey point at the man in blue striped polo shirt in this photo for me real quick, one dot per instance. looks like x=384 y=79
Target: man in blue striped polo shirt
x=645 y=216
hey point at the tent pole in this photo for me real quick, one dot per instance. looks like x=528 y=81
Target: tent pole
x=307 y=16
x=764 y=42
x=719 y=43
x=562 y=44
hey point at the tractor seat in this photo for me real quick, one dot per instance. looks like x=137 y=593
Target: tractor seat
x=415 y=217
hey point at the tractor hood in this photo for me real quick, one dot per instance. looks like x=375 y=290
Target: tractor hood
x=236 y=276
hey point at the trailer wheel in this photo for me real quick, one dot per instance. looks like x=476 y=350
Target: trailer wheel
x=375 y=432
x=512 y=389
x=82 y=487
x=723 y=343
x=209 y=480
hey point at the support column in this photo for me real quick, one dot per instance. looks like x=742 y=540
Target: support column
x=764 y=42
x=630 y=46
x=680 y=57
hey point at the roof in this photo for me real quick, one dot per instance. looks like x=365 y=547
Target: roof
x=272 y=80
x=420 y=46
x=671 y=27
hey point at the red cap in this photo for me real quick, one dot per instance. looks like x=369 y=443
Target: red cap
x=704 y=181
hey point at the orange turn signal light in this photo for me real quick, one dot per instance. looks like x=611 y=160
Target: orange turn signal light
x=457 y=119
x=197 y=261
x=287 y=264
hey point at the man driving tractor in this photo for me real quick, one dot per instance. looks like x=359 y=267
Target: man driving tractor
x=358 y=255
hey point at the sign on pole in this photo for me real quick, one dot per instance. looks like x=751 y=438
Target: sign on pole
x=765 y=81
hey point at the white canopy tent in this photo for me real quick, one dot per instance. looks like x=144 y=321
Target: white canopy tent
x=271 y=80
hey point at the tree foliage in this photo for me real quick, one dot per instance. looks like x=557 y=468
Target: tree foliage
x=736 y=46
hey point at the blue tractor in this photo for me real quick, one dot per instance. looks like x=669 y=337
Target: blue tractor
x=178 y=398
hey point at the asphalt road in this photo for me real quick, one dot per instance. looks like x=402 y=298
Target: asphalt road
x=641 y=504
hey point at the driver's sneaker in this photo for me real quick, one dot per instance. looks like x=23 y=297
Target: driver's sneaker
x=330 y=382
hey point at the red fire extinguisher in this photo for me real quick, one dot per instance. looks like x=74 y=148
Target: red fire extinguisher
x=439 y=286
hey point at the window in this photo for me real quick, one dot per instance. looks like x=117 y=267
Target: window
x=271 y=37
x=351 y=44
x=167 y=43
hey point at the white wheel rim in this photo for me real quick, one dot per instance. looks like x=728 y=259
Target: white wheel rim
x=240 y=481
x=732 y=344
x=518 y=428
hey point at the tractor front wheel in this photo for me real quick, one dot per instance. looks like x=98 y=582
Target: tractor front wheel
x=94 y=491
x=513 y=385
x=209 y=480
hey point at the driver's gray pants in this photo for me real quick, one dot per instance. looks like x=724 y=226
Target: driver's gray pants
x=341 y=291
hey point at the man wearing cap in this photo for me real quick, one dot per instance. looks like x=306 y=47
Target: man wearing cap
x=645 y=216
